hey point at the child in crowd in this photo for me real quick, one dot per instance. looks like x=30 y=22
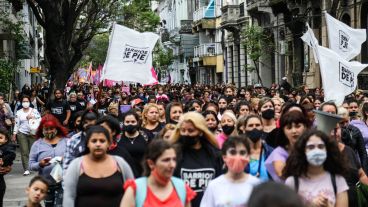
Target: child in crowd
x=7 y=156
x=36 y=191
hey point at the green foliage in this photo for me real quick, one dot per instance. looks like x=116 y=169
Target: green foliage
x=97 y=50
x=138 y=16
x=7 y=69
x=162 y=57
x=15 y=31
x=257 y=41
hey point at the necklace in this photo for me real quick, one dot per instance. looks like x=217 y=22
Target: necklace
x=132 y=139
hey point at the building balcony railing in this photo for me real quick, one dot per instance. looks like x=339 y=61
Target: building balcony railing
x=207 y=49
x=204 y=13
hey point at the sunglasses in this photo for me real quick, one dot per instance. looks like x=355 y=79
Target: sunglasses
x=313 y=146
x=233 y=151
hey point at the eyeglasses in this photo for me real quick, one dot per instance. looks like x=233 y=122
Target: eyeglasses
x=313 y=146
x=234 y=152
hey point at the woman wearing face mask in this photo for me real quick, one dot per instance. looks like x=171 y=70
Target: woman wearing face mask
x=96 y=178
x=315 y=168
x=211 y=121
x=228 y=126
x=174 y=110
x=200 y=159
x=150 y=120
x=259 y=150
x=158 y=187
x=134 y=140
x=267 y=112
x=292 y=125
x=21 y=131
x=51 y=143
x=220 y=191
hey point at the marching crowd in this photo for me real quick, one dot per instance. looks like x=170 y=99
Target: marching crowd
x=185 y=145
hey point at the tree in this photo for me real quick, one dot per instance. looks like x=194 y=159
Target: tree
x=258 y=43
x=162 y=58
x=139 y=16
x=69 y=26
x=97 y=50
x=13 y=31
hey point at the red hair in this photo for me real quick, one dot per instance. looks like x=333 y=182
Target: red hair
x=50 y=120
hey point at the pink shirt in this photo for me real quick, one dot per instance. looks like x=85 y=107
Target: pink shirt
x=309 y=189
x=221 y=138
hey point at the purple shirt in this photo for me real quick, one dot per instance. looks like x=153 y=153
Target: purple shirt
x=278 y=154
x=363 y=129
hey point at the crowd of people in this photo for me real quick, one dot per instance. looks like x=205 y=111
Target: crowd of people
x=185 y=145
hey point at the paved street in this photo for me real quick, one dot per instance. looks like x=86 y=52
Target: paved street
x=15 y=185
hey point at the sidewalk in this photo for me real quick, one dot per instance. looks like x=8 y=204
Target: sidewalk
x=16 y=184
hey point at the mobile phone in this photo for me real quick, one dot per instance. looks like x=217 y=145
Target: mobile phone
x=47 y=158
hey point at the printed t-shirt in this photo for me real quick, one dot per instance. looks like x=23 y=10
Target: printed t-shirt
x=309 y=189
x=222 y=192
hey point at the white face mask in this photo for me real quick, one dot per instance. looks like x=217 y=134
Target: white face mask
x=25 y=104
x=316 y=157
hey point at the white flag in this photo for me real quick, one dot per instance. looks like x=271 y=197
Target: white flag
x=339 y=76
x=344 y=40
x=309 y=38
x=129 y=57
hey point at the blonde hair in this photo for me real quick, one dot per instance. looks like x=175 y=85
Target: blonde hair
x=199 y=123
x=232 y=116
x=145 y=111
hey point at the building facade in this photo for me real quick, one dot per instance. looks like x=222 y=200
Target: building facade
x=29 y=53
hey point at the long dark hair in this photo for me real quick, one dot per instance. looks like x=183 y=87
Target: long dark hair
x=154 y=150
x=297 y=164
x=287 y=119
x=95 y=130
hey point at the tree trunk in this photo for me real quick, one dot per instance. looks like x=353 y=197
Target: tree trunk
x=257 y=71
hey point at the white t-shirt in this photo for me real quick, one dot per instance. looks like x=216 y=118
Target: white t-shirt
x=221 y=192
x=309 y=189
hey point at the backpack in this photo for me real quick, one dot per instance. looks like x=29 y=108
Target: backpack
x=141 y=191
x=333 y=180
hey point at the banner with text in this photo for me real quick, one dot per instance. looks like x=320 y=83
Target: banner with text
x=344 y=40
x=129 y=56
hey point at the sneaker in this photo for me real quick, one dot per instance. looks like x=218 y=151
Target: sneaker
x=26 y=173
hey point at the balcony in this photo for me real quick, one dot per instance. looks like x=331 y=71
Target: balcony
x=204 y=18
x=230 y=16
x=254 y=6
x=204 y=13
x=207 y=50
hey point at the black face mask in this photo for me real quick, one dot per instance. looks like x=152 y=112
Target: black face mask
x=228 y=129
x=353 y=113
x=131 y=128
x=188 y=141
x=268 y=114
x=254 y=135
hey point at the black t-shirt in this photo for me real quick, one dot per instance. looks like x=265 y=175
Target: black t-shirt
x=82 y=103
x=58 y=109
x=197 y=168
x=75 y=106
x=152 y=133
x=136 y=147
x=123 y=152
x=352 y=177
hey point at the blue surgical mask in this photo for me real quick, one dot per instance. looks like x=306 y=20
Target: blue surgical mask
x=316 y=157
